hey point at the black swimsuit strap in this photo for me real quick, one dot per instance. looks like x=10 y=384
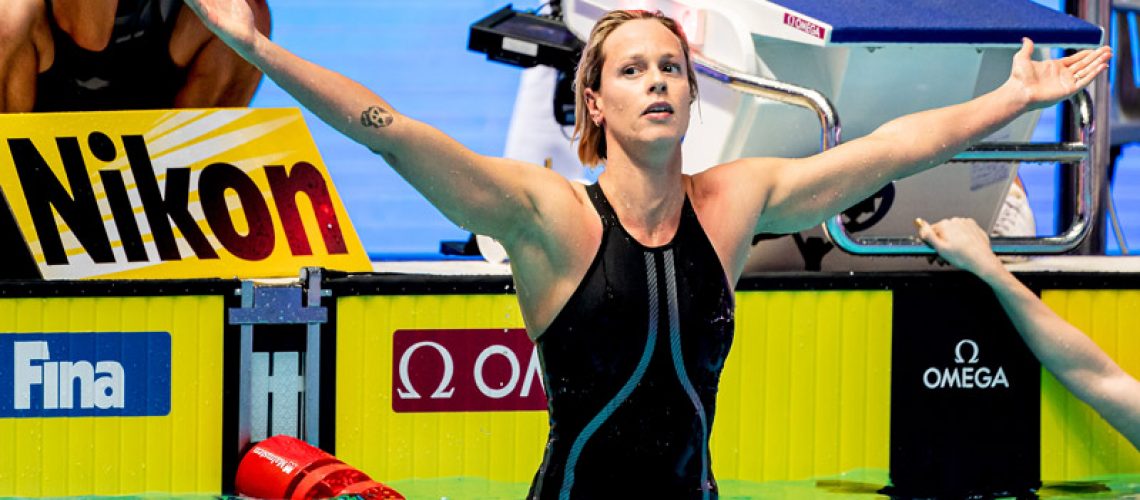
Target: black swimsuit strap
x=602 y=205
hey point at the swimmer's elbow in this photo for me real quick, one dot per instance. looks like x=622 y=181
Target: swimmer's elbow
x=390 y=157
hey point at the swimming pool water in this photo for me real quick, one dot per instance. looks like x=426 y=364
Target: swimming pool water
x=855 y=485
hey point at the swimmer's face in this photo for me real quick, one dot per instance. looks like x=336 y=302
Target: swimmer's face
x=644 y=95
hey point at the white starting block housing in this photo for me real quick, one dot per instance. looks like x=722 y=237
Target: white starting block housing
x=874 y=60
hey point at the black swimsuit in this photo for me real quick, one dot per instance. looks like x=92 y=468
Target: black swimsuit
x=631 y=367
x=135 y=71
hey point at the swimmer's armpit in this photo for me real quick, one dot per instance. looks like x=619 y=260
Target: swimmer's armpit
x=376 y=117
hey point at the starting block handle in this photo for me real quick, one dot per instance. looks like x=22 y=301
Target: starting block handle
x=1077 y=231
x=777 y=91
x=1078 y=153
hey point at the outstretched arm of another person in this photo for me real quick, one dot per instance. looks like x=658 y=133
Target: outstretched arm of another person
x=1063 y=349
x=216 y=75
x=491 y=196
x=804 y=192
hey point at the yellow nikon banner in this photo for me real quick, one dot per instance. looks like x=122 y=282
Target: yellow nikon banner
x=173 y=194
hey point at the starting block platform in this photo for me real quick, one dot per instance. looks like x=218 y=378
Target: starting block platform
x=873 y=61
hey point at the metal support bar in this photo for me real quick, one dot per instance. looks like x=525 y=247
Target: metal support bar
x=311 y=278
x=1126 y=5
x=1098 y=12
x=281 y=305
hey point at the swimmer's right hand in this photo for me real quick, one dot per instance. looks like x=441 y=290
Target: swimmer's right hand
x=231 y=20
x=962 y=243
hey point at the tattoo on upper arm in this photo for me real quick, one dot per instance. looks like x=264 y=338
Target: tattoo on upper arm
x=376 y=117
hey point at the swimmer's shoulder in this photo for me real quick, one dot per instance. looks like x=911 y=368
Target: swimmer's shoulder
x=744 y=177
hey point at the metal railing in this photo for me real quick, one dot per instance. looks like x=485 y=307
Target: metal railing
x=1078 y=153
x=777 y=91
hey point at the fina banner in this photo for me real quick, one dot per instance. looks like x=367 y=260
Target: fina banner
x=170 y=194
x=97 y=374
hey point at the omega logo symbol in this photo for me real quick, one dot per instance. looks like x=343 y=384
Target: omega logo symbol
x=964 y=374
x=442 y=391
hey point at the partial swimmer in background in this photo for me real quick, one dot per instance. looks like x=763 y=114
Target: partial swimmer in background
x=626 y=285
x=87 y=55
x=1064 y=350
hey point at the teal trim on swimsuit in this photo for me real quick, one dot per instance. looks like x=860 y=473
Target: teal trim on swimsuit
x=624 y=392
x=679 y=366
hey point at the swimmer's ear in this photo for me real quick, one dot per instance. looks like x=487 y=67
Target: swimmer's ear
x=591 y=98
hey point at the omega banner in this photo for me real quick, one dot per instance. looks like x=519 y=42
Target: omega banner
x=965 y=395
x=465 y=370
x=173 y=194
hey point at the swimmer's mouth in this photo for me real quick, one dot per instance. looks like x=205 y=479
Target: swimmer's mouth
x=658 y=107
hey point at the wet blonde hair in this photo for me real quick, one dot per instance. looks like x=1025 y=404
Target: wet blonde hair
x=591 y=136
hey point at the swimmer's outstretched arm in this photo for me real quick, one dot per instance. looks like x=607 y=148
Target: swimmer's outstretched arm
x=798 y=193
x=215 y=75
x=1063 y=349
x=492 y=196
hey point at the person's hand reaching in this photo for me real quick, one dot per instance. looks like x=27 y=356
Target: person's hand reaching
x=961 y=243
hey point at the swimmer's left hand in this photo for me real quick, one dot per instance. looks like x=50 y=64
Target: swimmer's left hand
x=1046 y=83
